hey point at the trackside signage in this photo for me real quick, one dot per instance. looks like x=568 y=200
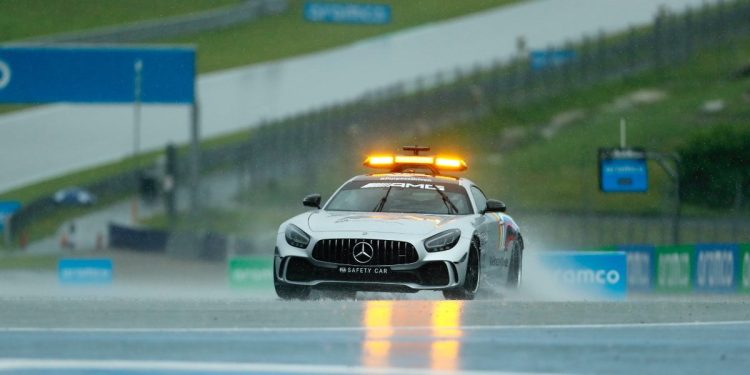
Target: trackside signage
x=641 y=266
x=366 y=14
x=250 y=272
x=7 y=208
x=544 y=59
x=744 y=274
x=623 y=170
x=85 y=271
x=673 y=269
x=47 y=74
x=589 y=275
x=715 y=267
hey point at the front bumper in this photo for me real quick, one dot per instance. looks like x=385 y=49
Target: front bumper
x=424 y=271
x=434 y=275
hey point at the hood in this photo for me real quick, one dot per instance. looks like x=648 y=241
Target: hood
x=377 y=222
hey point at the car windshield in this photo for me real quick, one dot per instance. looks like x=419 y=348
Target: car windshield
x=401 y=196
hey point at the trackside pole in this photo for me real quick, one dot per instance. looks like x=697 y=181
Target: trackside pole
x=138 y=68
x=674 y=175
x=7 y=233
x=672 y=170
x=194 y=157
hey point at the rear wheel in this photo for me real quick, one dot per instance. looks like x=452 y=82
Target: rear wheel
x=468 y=290
x=289 y=291
x=516 y=266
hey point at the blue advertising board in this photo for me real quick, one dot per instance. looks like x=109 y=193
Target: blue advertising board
x=592 y=275
x=34 y=74
x=623 y=171
x=350 y=13
x=543 y=59
x=641 y=266
x=717 y=267
x=85 y=271
x=7 y=208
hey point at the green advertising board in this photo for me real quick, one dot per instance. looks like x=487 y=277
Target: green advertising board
x=250 y=272
x=743 y=284
x=673 y=269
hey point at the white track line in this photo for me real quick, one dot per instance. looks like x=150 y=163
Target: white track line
x=366 y=329
x=213 y=367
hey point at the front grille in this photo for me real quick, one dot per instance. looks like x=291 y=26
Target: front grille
x=385 y=252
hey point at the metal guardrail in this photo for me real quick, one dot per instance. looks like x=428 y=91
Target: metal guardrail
x=170 y=27
x=576 y=230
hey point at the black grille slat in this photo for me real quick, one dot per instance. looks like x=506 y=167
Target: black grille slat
x=387 y=252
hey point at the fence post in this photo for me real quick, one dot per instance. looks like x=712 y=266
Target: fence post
x=585 y=60
x=632 y=49
x=721 y=26
x=672 y=45
x=7 y=233
x=601 y=56
x=689 y=30
x=657 y=36
x=567 y=78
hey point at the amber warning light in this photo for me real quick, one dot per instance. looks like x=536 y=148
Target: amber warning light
x=394 y=161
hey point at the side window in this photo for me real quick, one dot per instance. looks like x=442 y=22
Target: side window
x=479 y=198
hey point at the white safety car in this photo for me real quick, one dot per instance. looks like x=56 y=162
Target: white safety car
x=411 y=228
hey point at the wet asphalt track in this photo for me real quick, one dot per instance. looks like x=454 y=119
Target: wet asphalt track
x=138 y=336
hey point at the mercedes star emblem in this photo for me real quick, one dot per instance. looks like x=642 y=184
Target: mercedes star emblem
x=363 y=252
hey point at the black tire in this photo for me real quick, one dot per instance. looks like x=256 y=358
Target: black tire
x=289 y=291
x=515 y=269
x=469 y=289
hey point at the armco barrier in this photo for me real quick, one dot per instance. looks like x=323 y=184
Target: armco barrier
x=700 y=268
x=744 y=274
x=172 y=27
x=673 y=269
x=716 y=267
x=250 y=272
x=640 y=259
x=85 y=271
x=580 y=274
x=147 y=240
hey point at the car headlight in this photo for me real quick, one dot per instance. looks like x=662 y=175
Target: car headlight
x=442 y=241
x=296 y=237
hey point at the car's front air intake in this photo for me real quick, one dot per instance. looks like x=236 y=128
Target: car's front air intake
x=364 y=252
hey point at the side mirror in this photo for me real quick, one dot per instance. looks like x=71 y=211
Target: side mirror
x=494 y=205
x=312 y=200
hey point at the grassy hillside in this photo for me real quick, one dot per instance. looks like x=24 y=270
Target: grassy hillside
x=663 y=109
x=20 y=19
x=266 y=39
x=289 y=34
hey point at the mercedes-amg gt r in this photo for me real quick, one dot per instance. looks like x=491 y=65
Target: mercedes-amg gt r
x=412 y=228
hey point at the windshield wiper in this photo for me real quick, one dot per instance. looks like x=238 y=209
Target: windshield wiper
x=451 y=207
x=379 y=206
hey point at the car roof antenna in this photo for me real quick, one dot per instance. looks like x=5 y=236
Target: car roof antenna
x=416 y=149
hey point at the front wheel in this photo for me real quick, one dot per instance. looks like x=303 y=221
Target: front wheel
x=516 y=266
x=469 y=289
x=289 y=291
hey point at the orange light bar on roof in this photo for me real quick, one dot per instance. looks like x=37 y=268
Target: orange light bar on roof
x=450 y=164
x=439 y=163
x=405 y=159
x=379 y=161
